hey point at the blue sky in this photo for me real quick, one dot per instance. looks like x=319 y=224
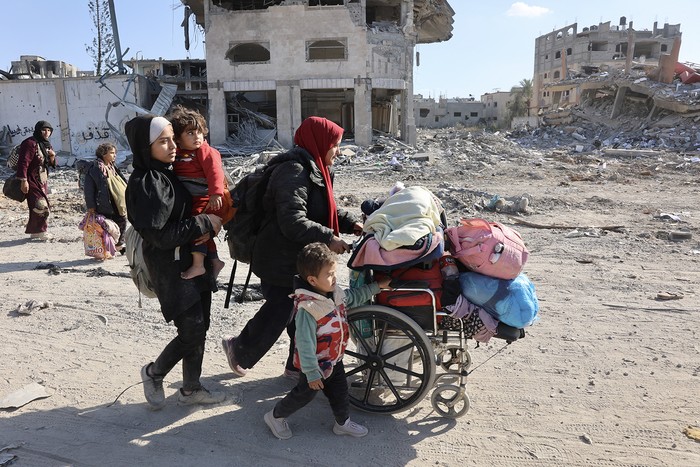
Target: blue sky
x=492 y=47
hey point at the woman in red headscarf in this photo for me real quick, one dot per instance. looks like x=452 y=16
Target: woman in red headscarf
x=299 y=208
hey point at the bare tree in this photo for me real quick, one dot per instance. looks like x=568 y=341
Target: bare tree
x=103 y=43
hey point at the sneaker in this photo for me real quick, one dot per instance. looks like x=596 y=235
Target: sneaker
x=152 y=389
x=350 y=428
x=200 y=396
x=41 y=236
x=227 y=344
x=291 y=374
x=278 y=426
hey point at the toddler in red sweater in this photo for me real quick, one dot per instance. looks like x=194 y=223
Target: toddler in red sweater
x=199 y=167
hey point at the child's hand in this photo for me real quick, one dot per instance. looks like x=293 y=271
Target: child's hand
x=357 y=228
x=215 y=203
x=316 y=384
x=384 y=283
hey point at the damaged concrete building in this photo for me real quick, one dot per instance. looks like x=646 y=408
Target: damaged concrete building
x=188 y=76
x=350 y=61
x=36 y=67
x=445 y=112
x=567 y=53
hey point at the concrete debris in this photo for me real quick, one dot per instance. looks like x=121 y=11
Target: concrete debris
x=622 y=112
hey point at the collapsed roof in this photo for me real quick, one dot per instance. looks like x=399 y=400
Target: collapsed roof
x=432 y=18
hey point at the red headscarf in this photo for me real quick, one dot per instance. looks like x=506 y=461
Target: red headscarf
x=318 y=135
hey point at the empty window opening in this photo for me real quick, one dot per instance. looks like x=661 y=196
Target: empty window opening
x=546 y=56
x=557 y=74
x=325 y=2
x=379 y=13
x=326 y=50
x=598 y=46
x=235 y=5
x=251 y=117
x=644 y=49
x=249 y=52
x=474 y=114
x=458 y=114
x=664 y=47
x=557 y=55
x=424 y=113
x=336 y=105
x=545 y=75
x=568 y=51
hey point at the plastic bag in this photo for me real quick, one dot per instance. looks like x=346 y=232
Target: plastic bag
x=94 y=237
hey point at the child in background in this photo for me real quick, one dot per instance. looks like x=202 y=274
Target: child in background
x=199 y=167
x=321 y=338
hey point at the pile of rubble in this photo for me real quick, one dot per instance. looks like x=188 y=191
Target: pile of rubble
x=620 y=111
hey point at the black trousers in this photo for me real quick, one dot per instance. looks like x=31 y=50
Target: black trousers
x=335 y=388
x=188 y=346
x=263 y=329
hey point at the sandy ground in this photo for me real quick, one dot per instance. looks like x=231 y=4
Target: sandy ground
x=609 y=376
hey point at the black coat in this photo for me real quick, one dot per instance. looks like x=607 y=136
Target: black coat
x=165 y=261
x=295 y=214
x=159 y=207
x=96 y=190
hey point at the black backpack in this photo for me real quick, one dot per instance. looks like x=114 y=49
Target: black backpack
x=242 y=230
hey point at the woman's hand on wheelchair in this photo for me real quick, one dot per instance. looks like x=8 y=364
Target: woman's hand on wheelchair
x=339 y=246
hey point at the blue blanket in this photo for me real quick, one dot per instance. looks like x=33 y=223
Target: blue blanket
x=513 y=302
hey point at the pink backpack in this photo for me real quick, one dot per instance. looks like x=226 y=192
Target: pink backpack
x=489 y=248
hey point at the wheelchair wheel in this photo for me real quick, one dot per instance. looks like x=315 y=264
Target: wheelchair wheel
x=455 y=359
x=450 y=401
x=391 y=364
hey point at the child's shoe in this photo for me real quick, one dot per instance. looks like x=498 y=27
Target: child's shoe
x=278 y=426
x=350 y=428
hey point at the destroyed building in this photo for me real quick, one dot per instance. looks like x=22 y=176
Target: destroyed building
x=444 y=112
x=36 y=67
x=496 y=108
x=188 y=76
x=350 y=61
x=566 y=53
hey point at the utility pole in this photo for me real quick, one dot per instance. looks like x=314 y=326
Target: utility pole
x=115 y=35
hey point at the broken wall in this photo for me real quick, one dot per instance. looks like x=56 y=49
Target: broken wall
x=75 y=107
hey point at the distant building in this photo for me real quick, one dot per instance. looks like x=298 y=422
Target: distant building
x=446 y=112
x=33 y=66
x=496 y=108
x=350 y=61
x=189 y=75
x=567 y=53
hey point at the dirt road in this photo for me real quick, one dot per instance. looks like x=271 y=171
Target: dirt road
x=609 y=376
